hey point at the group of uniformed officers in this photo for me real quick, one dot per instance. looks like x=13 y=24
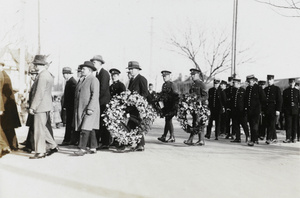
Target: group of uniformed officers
x=230 y=105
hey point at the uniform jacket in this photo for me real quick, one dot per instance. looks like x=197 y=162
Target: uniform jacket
x=69 y=93
x=273 y=99
x=237 y=103
x=103 y=78
x=140 y=85
x=229 y=95
x=116 y=88
x=169 y=96
x=42 y=98
x=199 y=88
x=10 y=118
x=87 y=98
x=216 y=99
x=255 y=98
x=291 y=101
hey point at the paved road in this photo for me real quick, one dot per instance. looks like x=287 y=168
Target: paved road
x=218 y=169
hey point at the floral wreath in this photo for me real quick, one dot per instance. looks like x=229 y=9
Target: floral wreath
x=189 y=105
x=118 y=113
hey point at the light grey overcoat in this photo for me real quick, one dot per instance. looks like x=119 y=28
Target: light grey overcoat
x=87 y=98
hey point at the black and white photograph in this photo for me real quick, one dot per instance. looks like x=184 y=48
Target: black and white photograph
x=149 y=98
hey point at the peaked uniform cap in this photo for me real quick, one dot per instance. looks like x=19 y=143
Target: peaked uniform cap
x=114 y=71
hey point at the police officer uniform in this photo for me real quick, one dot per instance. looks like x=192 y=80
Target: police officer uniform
x=116 y=87
x=229 y=97
x=262 y=120
x=291 y=100
x=170 y=100
x=238 y=112
x=255 y=98
x=273 y=105
x=216 y=104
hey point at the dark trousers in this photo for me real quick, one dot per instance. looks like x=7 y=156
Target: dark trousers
x=253 y=123
x=262 y=126
x=229 y=131
x=168 y=126
x=270 y=121
x=223 y=123
x=103 y=134
x=291 y=126
x=217 y=118
x=88 y=138
x=237 y=121
x=69 y=129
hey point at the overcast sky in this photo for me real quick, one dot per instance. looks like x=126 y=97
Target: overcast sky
x=73 y=31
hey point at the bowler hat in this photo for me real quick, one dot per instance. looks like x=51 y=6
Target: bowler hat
x=114 y=71
x=269 y=77
x=134 y=65
x=88 y=64
x=98 y=58
x=165 y=72
x=67 y=70
x=39 y=60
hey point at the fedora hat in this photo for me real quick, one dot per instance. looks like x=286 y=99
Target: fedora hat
x=39 y=60
x=98 y=58
x=88 y=64
x=67 y=70
x=134 y=65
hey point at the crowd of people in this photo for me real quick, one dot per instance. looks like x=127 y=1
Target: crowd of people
x=256 y=108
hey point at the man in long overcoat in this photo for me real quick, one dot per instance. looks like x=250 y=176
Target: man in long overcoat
x=87 y=109
x=10 y=117
x=68 y=103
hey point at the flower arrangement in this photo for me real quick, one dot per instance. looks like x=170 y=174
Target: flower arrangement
x=189 y=105
x=119 y=112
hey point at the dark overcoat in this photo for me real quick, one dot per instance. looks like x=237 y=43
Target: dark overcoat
x=291 y=101
x=140 y=85
x=104 y=93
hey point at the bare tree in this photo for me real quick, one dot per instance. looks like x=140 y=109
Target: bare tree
x=287 y=8
x=211 y=52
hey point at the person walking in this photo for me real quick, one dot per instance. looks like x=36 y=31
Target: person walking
x=40 y=107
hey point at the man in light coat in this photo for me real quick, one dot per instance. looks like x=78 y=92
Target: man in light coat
x=87 y=109
x=40 y=107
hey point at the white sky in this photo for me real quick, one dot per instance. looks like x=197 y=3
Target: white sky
x=73 y=31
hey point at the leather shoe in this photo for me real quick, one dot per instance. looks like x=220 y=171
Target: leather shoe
x=171 y=139
x=250 y=143
x=287 y=141
x=236 y=141
x=216 y=138
x=207 y=137
x=38 y=156
x=23 y=143
x=200 y=143
x=27 y=150
x=139 y=148
x=162 y=139
x=80 y=152
x=51 y=151
x=103 y=147
x=188 y=143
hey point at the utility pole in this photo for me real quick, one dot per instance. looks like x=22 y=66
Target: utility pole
x=234 y=33
x=151 y=47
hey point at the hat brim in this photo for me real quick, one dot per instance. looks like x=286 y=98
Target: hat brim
x=39 y=63
x=134 y=68
x=102 y=61
x=92 y=67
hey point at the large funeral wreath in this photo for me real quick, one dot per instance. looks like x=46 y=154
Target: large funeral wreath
x=120 y=110
x=189 y=105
